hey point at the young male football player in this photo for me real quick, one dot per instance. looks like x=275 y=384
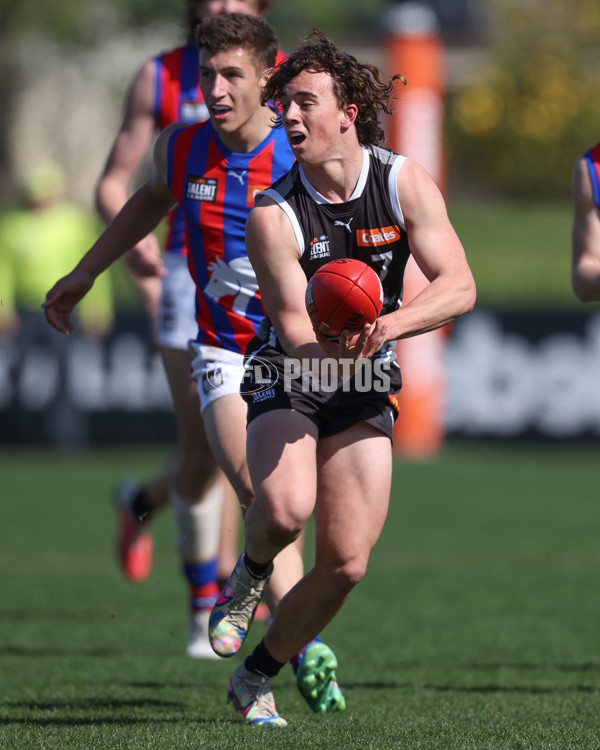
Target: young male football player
x=166 y=90
x=317 y=451
x=213 y=171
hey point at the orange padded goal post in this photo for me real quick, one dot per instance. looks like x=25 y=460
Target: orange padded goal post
x=414 y=48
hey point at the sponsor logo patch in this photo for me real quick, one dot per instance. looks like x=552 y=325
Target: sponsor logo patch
x=319 y=247
x=376 y=237
x=253 y=191
x=263 y=395
x=201 y=189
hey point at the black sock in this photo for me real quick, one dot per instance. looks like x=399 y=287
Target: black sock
x=140 y=507
x=261 y=662
x=257 y=570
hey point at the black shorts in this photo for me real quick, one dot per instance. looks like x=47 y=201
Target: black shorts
x=271 y=381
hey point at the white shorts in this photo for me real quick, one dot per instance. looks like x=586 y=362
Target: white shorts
x=217 y=372
x=176 y=322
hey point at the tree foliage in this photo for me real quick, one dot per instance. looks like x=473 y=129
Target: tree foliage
x=520 y=127
x=76 y=21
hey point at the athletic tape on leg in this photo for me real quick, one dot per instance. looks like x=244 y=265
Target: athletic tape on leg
x=198 y=523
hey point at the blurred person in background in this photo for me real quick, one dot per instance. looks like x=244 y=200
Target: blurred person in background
x=213 y=170
x=40 y=240
x=585 y=270
x=164 y=91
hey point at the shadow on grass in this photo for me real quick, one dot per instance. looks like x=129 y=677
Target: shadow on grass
x=44 y=651
x=108 y=720
x=85 y=703
x=587 y=666
x=531 y=689
x=52 y=615
x=492 y=688
x=94 y=705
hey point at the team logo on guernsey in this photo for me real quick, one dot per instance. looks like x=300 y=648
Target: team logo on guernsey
x=319 y=247
x=201 y=189
x=192 y=111
x=212 y=378
x=375 y=237
x=235 y=279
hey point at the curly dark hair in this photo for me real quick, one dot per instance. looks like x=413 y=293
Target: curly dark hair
x=240 y=30
x=353 y=83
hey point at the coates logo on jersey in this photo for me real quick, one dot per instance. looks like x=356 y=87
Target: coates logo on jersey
x=376 y=237
x=201 y=189
x=259 y=375
x=319 y=247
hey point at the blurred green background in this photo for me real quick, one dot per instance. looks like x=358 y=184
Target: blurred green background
x=522 y=103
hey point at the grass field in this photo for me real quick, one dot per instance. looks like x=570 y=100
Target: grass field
x=477 y=625
x=520 y=253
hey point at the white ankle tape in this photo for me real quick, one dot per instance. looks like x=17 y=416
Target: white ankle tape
x=198 y=523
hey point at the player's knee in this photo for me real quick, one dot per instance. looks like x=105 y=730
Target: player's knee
x=245 y=496
x=353 y=572
x=343 y=577
x=282 y=527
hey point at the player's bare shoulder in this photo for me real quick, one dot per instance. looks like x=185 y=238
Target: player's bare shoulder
x=414 y=182
x=272 y=225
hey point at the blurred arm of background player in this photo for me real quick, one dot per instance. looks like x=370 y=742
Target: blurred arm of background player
x=131 y=144
x=585 y=271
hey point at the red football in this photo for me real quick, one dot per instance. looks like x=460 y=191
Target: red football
x=343 y=294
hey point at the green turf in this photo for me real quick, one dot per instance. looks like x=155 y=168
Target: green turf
x=475 y=627
x=520 y=253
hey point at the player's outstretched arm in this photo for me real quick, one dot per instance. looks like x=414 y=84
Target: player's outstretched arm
x=63 y=297
x=585 y=270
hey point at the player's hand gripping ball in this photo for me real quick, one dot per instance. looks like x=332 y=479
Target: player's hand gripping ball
x=344 y=294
